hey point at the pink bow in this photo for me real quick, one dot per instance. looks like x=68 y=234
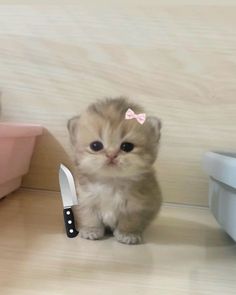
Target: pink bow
x=131 y=115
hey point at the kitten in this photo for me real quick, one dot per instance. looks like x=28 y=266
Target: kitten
x=116 y=183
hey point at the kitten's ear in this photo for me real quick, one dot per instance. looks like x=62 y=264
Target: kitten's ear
x=72 y=128
x=156 y=125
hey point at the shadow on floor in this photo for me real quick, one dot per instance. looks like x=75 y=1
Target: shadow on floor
x=47 y=157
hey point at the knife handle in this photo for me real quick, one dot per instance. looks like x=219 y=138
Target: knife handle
x=71 y=231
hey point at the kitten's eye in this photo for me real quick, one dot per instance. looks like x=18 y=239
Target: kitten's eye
x=96 y=146
x=127 y=147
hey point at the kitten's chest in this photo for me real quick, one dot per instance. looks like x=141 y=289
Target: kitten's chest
x=109 y=199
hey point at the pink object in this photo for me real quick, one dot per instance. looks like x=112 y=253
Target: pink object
x=16 y=148
x=131 y=115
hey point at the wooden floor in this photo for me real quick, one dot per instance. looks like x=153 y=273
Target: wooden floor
x=185 y=252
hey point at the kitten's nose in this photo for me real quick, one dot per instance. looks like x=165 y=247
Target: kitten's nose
x=111 y=155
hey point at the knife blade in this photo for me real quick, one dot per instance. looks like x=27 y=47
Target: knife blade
x=69 y=199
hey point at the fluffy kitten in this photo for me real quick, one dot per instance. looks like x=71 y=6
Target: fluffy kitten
x=116 y=183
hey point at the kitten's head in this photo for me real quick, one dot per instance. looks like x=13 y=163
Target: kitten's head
x=108 y=145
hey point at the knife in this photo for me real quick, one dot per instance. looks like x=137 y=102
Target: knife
x=69 y=199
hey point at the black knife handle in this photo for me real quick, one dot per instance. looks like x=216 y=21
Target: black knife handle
x=70 y=223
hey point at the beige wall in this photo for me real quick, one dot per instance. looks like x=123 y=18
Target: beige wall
x=178 y=60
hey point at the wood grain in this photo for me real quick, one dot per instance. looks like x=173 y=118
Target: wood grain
x=185 y=252
x=178 y=59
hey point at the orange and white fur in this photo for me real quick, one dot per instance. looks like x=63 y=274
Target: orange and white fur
x=116 y=183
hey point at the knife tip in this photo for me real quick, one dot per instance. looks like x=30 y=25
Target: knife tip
x=62 y=166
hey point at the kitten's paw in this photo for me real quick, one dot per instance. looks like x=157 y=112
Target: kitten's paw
x=127 y=238
x=91 y=233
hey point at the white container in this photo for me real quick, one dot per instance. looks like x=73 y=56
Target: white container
x=221 y=167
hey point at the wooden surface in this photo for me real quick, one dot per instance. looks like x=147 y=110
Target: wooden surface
x=185 y=252
x=178 y=59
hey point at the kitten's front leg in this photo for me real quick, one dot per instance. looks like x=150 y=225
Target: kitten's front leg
x=90 y=226
x=127 y=237
x=131 y=225
x=91 y=233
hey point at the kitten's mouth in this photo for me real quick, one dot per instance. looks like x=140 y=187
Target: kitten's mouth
x=112 y=163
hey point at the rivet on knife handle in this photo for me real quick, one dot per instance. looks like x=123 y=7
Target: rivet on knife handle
x=70 y=223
